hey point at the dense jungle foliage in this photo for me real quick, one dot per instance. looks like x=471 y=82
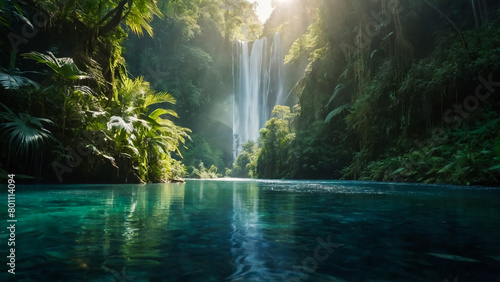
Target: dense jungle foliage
x=392 y=91
x=73 y=109
x=141 y=90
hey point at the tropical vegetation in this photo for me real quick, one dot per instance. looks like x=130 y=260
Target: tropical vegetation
x=141 y=91
x=390 y=93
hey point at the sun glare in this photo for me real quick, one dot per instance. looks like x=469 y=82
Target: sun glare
x=264 y=8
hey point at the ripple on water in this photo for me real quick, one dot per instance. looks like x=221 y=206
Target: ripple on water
x=259 y=231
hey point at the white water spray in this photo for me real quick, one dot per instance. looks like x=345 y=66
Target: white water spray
x=258 y=87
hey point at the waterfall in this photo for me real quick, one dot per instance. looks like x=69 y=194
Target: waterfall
x=258 y=87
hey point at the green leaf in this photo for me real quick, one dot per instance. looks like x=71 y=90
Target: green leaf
x=85 y=90
x=398 y=170
x=158 y=98
x=336 y=112
x=336 y=92
x=24 y=133
x=446 y=168
x=159 y=112
x=64 y=67
x=495 y=167
x=121 y=124
x=14 y=82
x=24 y=20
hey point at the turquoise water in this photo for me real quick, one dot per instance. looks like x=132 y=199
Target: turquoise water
x=255 y=231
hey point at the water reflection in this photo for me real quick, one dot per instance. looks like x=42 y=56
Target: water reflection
x=262 y=245
x=96 y=229
x=247 y=242
x=256 y=231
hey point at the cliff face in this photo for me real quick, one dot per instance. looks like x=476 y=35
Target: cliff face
x=398 y=91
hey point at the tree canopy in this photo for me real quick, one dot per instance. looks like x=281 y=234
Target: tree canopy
x=142 y=90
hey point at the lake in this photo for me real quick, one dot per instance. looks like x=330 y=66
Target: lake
x=255 y=230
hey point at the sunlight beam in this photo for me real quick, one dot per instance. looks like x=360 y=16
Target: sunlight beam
x=263 y=9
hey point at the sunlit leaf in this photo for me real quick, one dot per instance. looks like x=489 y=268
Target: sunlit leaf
x=159 y=112
x=64 y=67
x=157 y=98
x=120 y=124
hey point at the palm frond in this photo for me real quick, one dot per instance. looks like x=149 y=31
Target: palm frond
x=139 y=121
x=85 y=90
x=141 y=14
x=156 y=98
x=132 y=90
x=3 y=21
x=120 y=124
x=14 y=82
x=95 y=71
x=64 y=67
x=159 y=112
x=23 y=132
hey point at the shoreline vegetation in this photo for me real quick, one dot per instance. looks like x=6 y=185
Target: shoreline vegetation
x=139 y=91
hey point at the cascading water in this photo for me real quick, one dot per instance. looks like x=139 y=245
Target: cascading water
x=258 y=87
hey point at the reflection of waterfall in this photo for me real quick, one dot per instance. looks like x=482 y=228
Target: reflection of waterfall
x=258 y=87
x=248 y=244
x=255 y=256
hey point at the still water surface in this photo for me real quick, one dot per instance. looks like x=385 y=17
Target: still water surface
x=230 y=230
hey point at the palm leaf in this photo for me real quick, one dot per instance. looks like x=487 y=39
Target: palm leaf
x=3 y=21
x=49 y=60
x=156 y=98
x=64 y=67
x=14 y=82
x=159 y=112
x=141 y=14
x=166 y=123
x=139 y=121
x=23 y=19
x=120 y=124
x=23 y=132
x=85 y=90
